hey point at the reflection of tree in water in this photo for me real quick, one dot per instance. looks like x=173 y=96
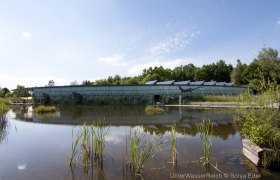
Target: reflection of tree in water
x=219 y=130
x=3 y=128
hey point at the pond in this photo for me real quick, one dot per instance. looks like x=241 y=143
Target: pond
x=34 y=146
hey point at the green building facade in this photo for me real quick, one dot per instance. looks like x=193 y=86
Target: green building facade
x=128 y=94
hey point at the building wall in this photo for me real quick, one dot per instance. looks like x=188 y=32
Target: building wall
x=128 y=94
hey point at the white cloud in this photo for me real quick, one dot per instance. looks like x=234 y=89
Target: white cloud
x=26 y=35
x=278 y=22
x=138 y=68
x=113 y=60
x=176 y=42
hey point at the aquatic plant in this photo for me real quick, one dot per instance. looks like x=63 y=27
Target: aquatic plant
x=99 y=132
x=206 y=130
x=85 y=145
x=173 y=145
x=74 y=152
x=45 y=109
x=91 y=140
x=152 y=110
x=142 y=151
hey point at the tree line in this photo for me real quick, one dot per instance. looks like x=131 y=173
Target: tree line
x=266 y=65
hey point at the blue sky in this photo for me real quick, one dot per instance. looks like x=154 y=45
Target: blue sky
x=69 y=40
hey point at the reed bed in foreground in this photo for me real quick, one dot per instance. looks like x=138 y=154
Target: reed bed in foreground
x=88 y=146
x=173 y=145
x=142 y=151
x=206 y=130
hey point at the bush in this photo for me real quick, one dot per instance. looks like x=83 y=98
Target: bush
x=261 y=124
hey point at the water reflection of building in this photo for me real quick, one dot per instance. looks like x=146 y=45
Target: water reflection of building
x=185 y=119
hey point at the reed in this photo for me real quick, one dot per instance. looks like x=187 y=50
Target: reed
x=86 y=147
x=91 y=140
x=74 y=152
x=99 y=132
x=206 y=130
x=173 y=145
x=142 y=151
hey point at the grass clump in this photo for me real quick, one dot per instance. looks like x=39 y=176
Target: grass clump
x=88 y=146
x=173 y=145
x=99 y=133
x=206 y=130
x=45 y=109
x=142 y=151
x=152 y=110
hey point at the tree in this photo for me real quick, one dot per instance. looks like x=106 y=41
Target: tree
x=21 y=91
x=238 y=73
x=3 y=92
x=189 y=72
x=51 y=83
x=74 y=83
x=86 y=83
x=269 y=64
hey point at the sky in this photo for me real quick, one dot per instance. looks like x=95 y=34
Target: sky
x=70 y=40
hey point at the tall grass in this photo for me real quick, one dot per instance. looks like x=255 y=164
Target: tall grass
x=99 y=132
x=91 y=140
x=173 y=145
x=206 y=130
x=85 y=145
x=142 y=151
x=74 y=152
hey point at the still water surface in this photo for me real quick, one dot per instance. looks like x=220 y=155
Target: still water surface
x=36 y=146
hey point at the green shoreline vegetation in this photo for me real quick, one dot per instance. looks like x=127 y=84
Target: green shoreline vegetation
x=3 y=106
x=153 y=110
x=45 y=109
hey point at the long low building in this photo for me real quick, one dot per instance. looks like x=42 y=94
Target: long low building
x=150 y=93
